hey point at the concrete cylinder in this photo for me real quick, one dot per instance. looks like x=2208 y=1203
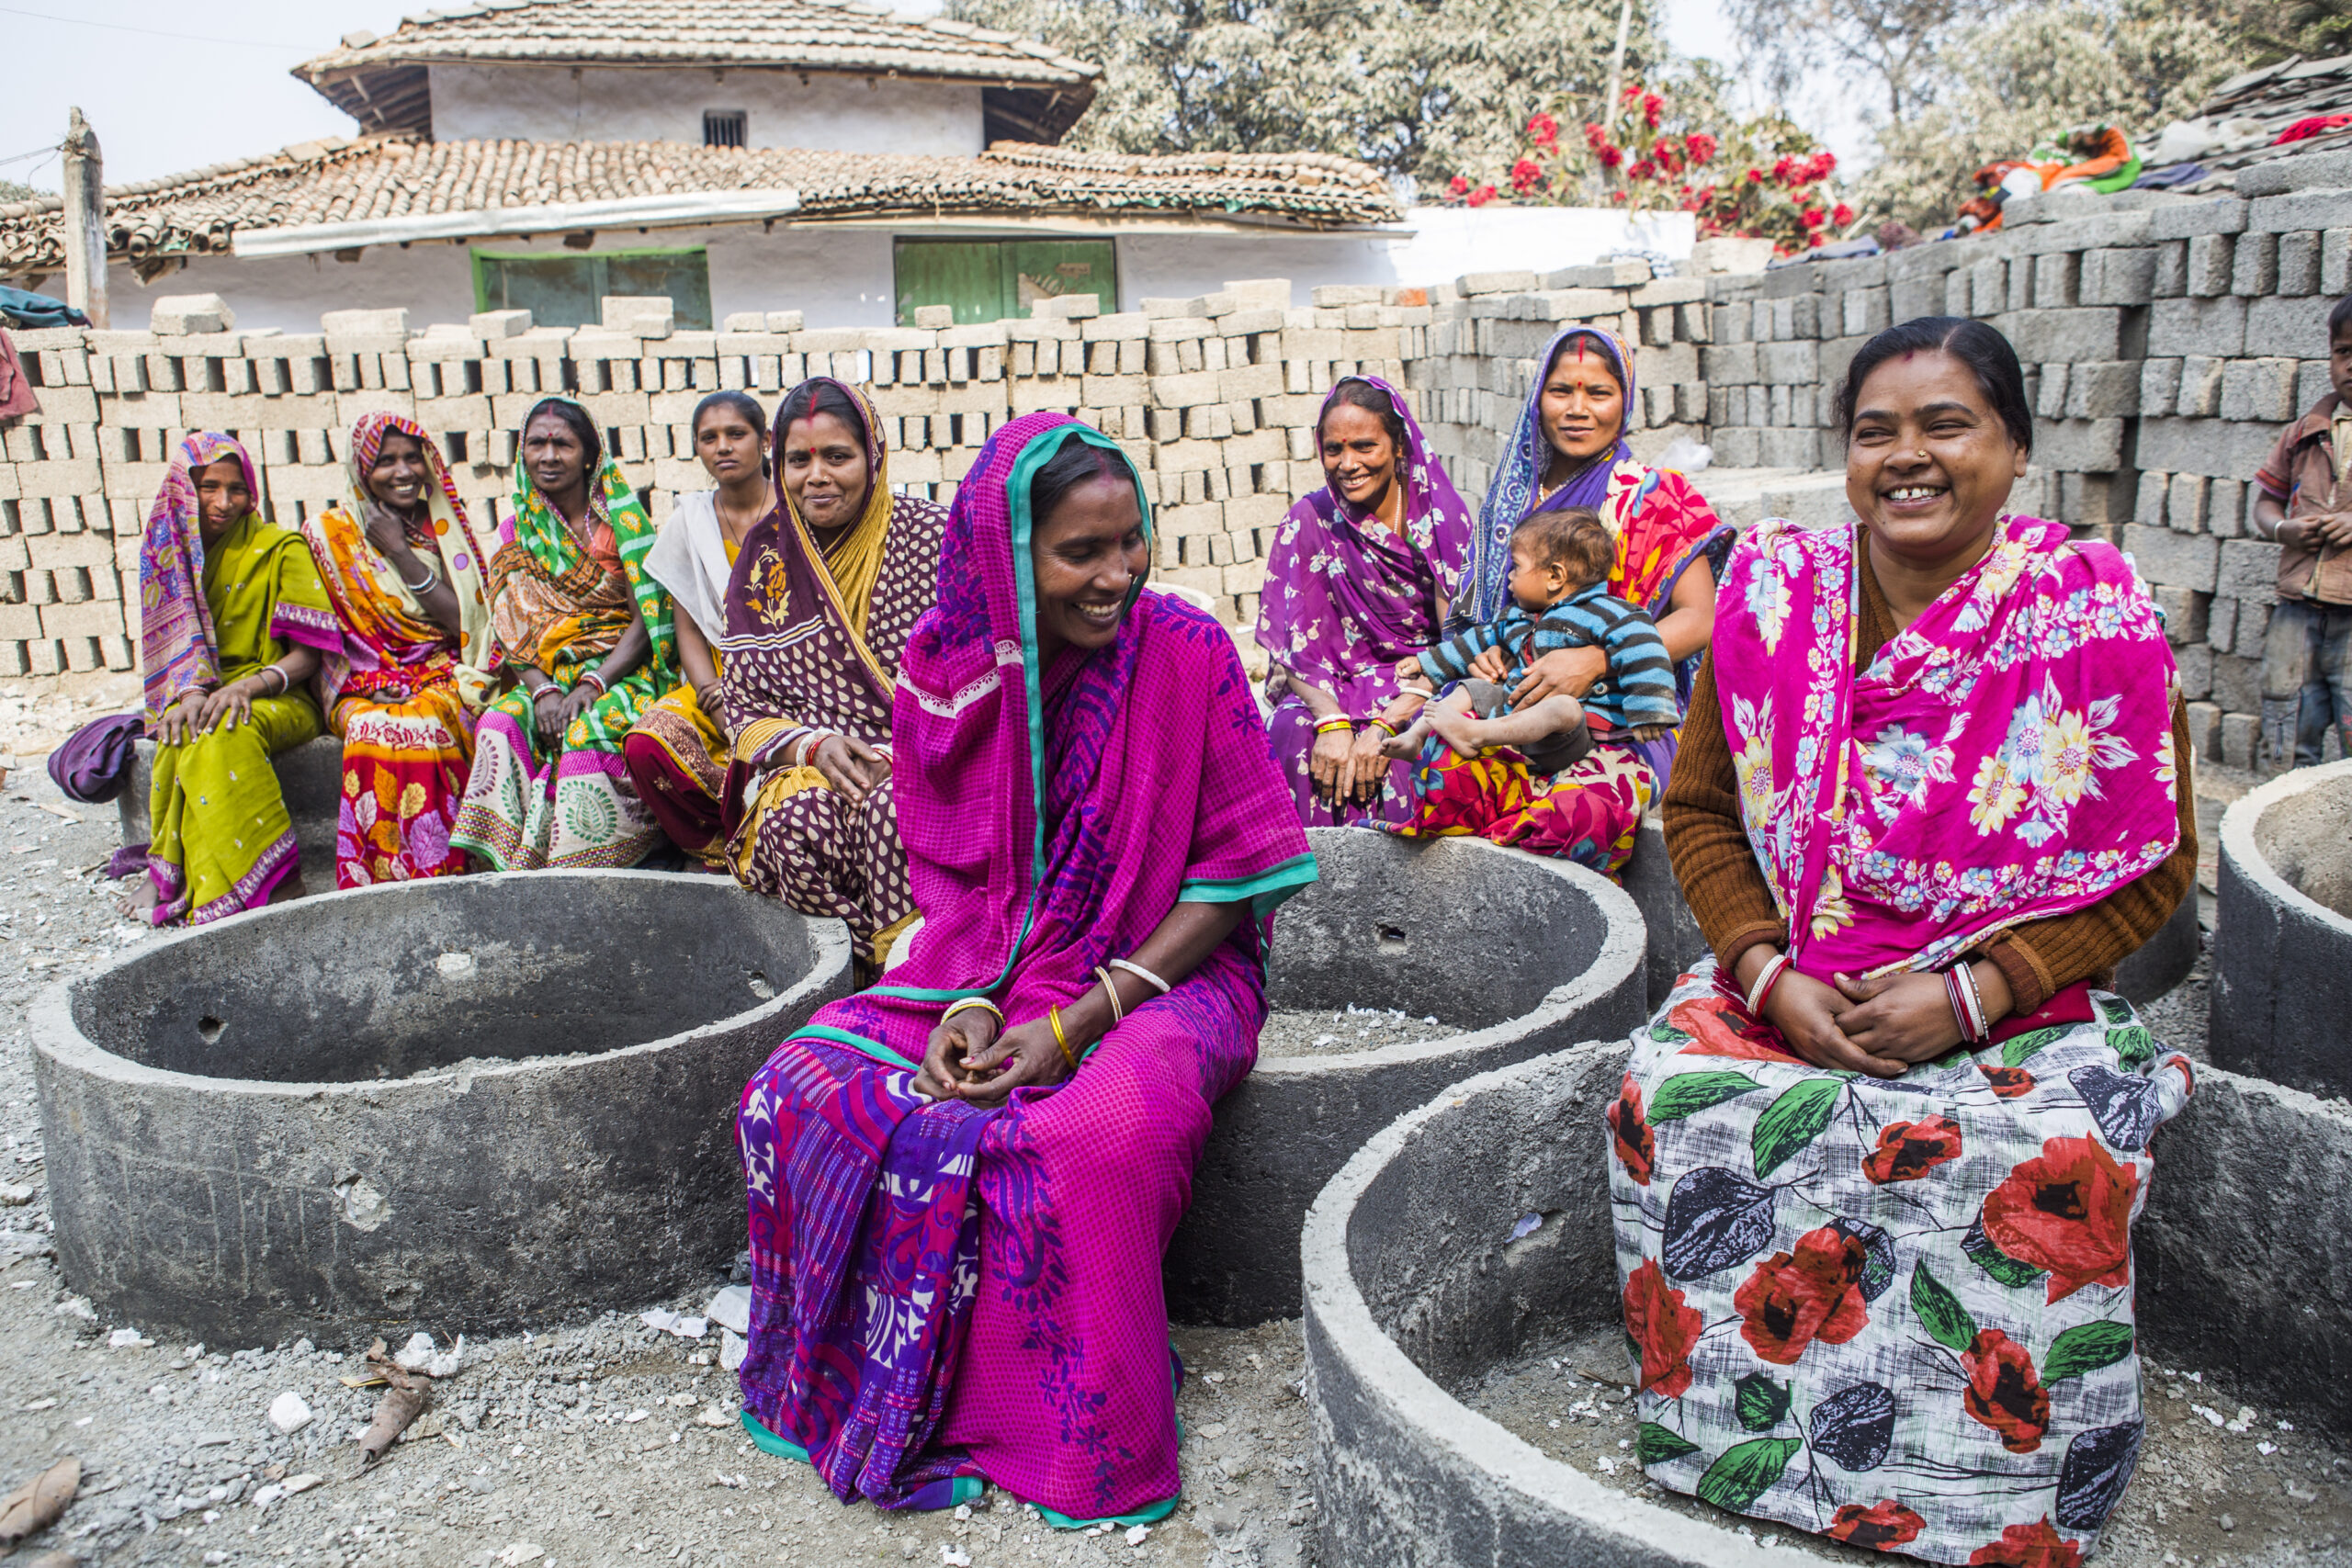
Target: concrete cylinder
x=2281 y=997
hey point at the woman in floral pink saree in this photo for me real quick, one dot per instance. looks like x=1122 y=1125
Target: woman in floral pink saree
x=961 y=1183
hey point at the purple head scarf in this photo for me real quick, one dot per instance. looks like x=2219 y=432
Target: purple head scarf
x=1345 y=598
x=1519 y=476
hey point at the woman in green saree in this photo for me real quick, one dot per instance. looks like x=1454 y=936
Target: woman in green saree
x=233 y=624
x=591 y=642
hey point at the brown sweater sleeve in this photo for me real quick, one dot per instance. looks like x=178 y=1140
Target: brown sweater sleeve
x=1721 y=881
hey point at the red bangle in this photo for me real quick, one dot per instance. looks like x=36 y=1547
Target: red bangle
x=1764 y=1000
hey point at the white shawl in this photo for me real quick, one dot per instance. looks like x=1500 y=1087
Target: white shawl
x=689 y=558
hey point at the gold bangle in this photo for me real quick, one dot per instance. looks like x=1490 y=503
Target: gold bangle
x=1054 y=1017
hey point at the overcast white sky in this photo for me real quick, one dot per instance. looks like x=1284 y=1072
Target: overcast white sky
x=172 y=87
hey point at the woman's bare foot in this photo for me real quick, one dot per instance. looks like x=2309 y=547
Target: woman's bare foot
x=139 y=904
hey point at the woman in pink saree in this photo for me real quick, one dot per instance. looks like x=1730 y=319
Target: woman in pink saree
x=961 y=1183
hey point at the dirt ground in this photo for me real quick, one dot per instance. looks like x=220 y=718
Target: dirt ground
x=608 y=1442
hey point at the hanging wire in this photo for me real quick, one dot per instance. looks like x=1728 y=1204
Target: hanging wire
x=148 y=32
x=20 y=157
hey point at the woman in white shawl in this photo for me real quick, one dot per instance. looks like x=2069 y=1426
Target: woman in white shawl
x=678 y=751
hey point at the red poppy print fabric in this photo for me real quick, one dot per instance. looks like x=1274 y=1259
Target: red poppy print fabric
x=1932 y=1275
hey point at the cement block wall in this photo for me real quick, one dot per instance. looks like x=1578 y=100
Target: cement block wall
x=2165 y=339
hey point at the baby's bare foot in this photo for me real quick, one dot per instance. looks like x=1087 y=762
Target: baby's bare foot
x=1464 y=734
x=1407 y=745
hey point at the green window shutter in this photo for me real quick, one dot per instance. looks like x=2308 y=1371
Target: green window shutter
x=993 y=280
x=1038 y=269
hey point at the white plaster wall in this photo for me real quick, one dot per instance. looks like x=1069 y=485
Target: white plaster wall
x=832 y=112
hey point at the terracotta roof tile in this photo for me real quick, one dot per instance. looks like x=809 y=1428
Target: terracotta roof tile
x=345 y=180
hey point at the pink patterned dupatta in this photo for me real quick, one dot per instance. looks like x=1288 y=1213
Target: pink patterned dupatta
x=2008 y=757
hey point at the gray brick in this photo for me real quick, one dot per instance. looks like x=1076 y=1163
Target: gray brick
x=2335 y=261
x=2080 y=445
x=2237 y=683
x=2314 y=384
x=2299 y=263
x=2222 y=624
x=2159 y=385
x=1911 y=298
x=2292 y=327
x=2195 y=665
x=2223 y=215
x=2022 y=284
x=2217 y=446
x=2148 y=504
x=2082 y=333
x=2215 y=326
x=1790 y=449
x=2210 y=265
x=1792 y=362
x=2254 y=620
x=2116 y=276
x=2175 y=560
x=2254 y=267
x=2300 y=209
x=2201 y=387
x=2248 y=572
x=2049 y=397
x=2185 y=509
x=1867 y=310
x=2103 y=389
x=2205 y=730
x=2184 y=613
x=1836 y=356
x=1805 y=314
x=2172 y=271
x=2055 y=278
x=1956 y=292
x=1989 y=287
x=2225 y=509
x=2260 y=388
x=1739 y=447
x=1731 y=364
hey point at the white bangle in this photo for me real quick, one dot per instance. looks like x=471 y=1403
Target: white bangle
x=967 y=1003
x=1118 y=1013
x=1764 y=977
x=1132 y=967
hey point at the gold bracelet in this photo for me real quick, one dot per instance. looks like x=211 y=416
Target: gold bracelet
x=1337 y=721
x=1054 y=1017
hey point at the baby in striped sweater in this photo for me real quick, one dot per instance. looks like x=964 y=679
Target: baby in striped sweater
x=1559 y=578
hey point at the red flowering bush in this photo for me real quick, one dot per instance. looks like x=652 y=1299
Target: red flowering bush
x=1793 y=1298
x=2004 y=1390
x=1644 y=154
x=1664 y=1327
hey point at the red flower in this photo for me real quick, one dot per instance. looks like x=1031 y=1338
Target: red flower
x=1481 y=196
x=2028 y=1546
x=1459 y=184
x=1813 y=217
x=1593 y=136
x=1721 y=1028
x=1526 y=175
x=2068 y=1212
x=1636 y=1145
x=1781 y=169
x=1610 y=156
x=1652 y=107
x=1618 y=196
x=1841 y=215
x=1883 y=1524
x=1813 y=239
x=1641 y=169
x=1664 y=1329
x=1793 y=1298
x=2007 y=1082
x=1822 y=166
x=1702 y=145
x=1908 y=1150
x=1755 y=176
x=1544 y=128
x=2003 y=1392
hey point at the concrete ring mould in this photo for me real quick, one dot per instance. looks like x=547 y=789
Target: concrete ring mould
x=1415 y=1282
x=2281 y=995
x=1537 y=952
x=564 y=1148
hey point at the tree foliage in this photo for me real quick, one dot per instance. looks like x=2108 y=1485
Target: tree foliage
x=11 y=191
x=1425 y=88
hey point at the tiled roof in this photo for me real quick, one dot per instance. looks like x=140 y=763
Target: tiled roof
x=2259 y=104
x=380 y=82
x=383 y=178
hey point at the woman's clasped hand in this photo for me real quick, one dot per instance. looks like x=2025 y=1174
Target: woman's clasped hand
x=1882 y=1025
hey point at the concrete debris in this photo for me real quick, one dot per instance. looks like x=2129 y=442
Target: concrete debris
x=128 y=1339
x=521 y=1551
x=289 y=1413
x=732 y=1348
x=715 y=1414
x=732 y=1308
x=1138 y=1534
x=663 y=1321
x=421 y=1354
x=14 y=1193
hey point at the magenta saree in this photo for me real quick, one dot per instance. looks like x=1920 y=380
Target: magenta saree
x=943 y=1295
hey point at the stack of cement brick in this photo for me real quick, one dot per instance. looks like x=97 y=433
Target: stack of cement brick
x=1470 y=367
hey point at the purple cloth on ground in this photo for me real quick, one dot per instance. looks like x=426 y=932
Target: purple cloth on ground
x=95 y=762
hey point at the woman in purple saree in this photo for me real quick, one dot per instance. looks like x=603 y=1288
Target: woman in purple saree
x=961 y=1183
x=1363 y=573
